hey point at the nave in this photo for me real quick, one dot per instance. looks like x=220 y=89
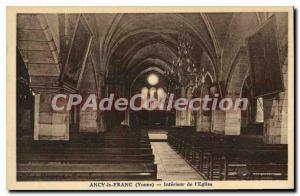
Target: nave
x=159 y=56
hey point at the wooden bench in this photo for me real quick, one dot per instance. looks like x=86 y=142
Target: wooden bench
x=86 y=150
x=85 y=172
x=115 y=155
x=84 y=158
x=219 y=157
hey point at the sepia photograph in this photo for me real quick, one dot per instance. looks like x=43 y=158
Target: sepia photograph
x=150 y=98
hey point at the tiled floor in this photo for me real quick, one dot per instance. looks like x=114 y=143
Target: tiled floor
x=170 y=166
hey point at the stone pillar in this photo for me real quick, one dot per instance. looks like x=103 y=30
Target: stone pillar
x=218 y=121
x=204 y=118
x=284 y=119
x=180 y=118
x=49 y=124
x=233 y=122
x=189 y=114
x=206 y=123
x=203 y=123
x=276 y=114
x=88 y=121
x=181 y=115
x=276 y=119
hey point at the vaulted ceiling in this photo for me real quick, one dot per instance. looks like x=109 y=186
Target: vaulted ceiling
x=130 y=43
x=135 y=42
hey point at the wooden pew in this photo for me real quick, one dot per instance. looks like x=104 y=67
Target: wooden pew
x=245 y=162
x=82 y=172
x=220 y=157
x=115 y=155
x=86 y=150
x=84 y=158
x=267 y=171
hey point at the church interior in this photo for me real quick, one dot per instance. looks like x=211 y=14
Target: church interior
x=236 y=55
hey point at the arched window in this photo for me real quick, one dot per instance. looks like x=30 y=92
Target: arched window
x=160 y=93
x=160 y=96
x=259 y=110
x=144 y=94
x=153 y=93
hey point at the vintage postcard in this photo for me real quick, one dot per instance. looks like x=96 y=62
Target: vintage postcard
x=150 y=98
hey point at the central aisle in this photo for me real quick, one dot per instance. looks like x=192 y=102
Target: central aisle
x=170 y=166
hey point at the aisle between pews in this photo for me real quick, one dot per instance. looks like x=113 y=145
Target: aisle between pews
x=170 y=165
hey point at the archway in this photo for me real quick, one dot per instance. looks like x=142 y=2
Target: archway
x=152 y=87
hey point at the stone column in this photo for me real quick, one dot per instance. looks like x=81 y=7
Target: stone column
x=233 y=122
x=204 y=118
x=88 y=121
x=49 y=124
x=218 y=121
x=203 y=122
x=181 y=115
x=189 y=115
x=275 y=119
x=276 y=114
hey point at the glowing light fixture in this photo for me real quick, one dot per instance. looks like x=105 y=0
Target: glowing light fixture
x=153 y=79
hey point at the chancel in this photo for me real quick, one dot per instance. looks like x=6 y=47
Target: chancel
x=158 y=56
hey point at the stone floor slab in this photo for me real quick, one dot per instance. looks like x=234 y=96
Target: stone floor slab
x=170 y=165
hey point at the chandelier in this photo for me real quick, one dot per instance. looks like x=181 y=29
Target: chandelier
x=184 y=72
